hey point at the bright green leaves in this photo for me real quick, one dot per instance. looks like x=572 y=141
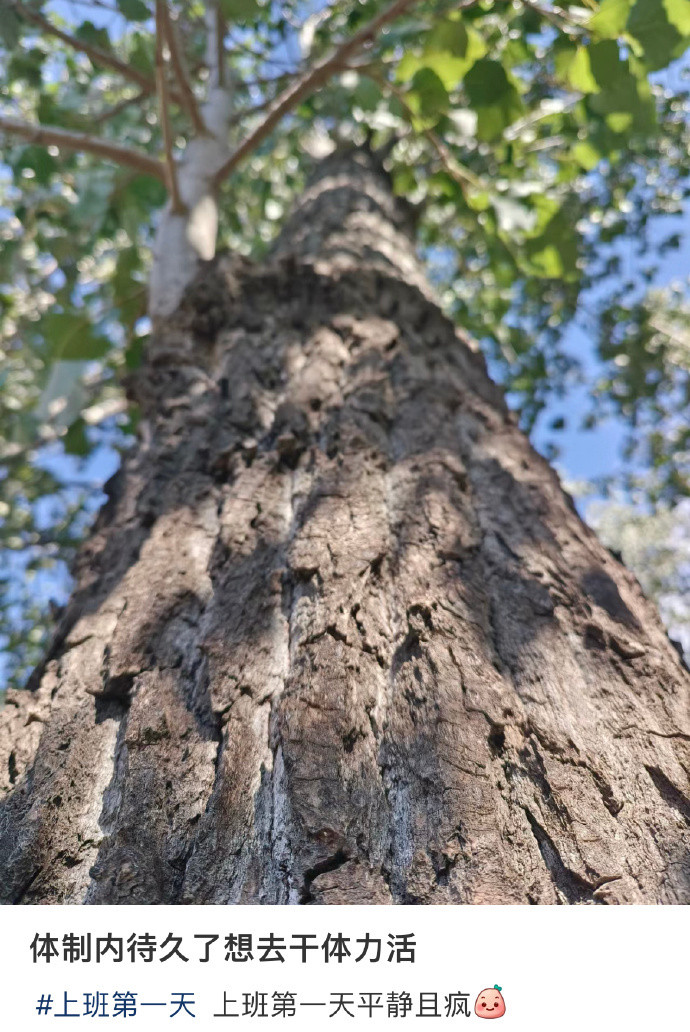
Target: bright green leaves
x=536 y=231
x=450 y=52
x=493 y=94
x=678 y=14
x=575 y=67
x=610 y=20
x=428 y=97
x=659 y=30
x=616 y=88
x=454 y=56
x=586 y=155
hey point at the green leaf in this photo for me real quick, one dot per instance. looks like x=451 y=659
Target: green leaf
x=404 y=182
x=10 y=28
x=659 y=26
x=428 y=97
x=48 y=111
x=75 y=440
x=622 y=92
x=619 y=121
x=128 y=291
x=610 y=20
x=147 y=191
x=494 y=96
x=132 y=203
x=478 y=200
x=579 y=73
x=135 y=10
x=39 y=161
x=134 y=353
x=26 y=66
x=553 y=253
x=678 y=14
x=97 y=37
x=239 y=10
x=141 y=54
x=450 y=52
x=69 y=336
x=367 y=94
x=586 y=155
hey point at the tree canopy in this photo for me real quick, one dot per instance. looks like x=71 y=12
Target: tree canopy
x=538 y=144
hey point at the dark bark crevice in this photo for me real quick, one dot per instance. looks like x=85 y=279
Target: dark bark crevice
x=670 y=793
x=569 y=884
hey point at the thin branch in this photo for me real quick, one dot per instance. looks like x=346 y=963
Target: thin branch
x=247 y=112
x=310 y=81
x=187 y=98
x=458 y=172
x=94 y=54
x=270 y=80
x=164 y=109
x=514 y=131
x=239 y=48
x=105 y=116
x=51 y=136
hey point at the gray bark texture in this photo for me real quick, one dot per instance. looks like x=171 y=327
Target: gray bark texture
x=338 y=635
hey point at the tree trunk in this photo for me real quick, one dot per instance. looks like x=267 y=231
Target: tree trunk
x=338 y=635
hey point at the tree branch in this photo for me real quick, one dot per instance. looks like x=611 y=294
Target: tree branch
x=105 y=116
x=458 y=172
x=47 y=136
x=247 y=112
x=94 y=54
x=164 y=108
x=187 y=98
x=310 y=81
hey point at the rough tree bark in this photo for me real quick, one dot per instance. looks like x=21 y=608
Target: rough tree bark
x=339 y=635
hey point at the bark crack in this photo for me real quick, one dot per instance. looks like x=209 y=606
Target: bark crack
x=568 y=884
x=670 y=793
x=331 y=863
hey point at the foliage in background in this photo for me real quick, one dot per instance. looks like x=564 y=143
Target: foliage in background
x=537 y=142
x=656 y=546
